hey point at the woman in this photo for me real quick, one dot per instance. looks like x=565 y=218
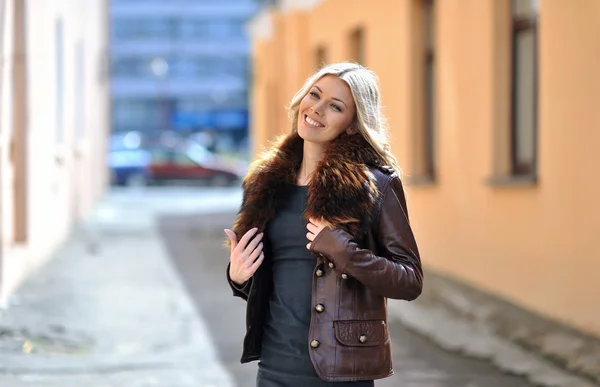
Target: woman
x=323 y=238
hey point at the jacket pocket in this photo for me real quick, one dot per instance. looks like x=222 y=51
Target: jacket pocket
x=361 y=333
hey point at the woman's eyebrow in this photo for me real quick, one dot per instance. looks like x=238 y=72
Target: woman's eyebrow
x=337 y=99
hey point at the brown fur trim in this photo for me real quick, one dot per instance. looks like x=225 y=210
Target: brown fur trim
x=342 y=192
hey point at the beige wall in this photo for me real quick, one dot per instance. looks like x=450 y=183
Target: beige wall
x=533 y=244
x=60 y=181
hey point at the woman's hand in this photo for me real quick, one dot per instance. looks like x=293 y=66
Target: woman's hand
x=246 y=255
x=314 y=228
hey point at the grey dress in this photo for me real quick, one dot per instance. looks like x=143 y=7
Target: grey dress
x=285 y=360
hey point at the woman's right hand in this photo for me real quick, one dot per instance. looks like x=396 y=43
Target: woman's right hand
x=246 y=255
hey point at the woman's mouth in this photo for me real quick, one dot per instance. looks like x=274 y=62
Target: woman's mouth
x=313 y=123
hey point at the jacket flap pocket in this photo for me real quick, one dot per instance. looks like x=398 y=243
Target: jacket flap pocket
x=360 y=333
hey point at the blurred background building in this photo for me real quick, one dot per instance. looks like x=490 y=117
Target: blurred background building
x=53 y=125
x=183 y=67
x=493 y=106
x=180 y=79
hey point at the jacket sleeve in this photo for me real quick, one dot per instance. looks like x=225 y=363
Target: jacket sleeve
x=242 y=291
x=396 y=272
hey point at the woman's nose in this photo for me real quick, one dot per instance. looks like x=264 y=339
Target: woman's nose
x=316 y=108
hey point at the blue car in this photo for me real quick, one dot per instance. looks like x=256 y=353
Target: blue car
x=129 y=167
x=127 y=160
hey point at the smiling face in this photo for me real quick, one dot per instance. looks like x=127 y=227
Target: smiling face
x=326 y=111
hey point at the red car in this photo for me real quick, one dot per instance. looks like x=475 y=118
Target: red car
x=194 y=163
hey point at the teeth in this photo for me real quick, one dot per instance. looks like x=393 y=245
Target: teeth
x=312 y=122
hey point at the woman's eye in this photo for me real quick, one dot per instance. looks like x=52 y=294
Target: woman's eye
x=336 y=107
x=312 y=93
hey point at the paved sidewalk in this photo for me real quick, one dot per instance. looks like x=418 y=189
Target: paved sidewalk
x=110 y=313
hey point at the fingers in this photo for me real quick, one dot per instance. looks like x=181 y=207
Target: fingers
x=310 y=236
x=257 y=263
x=312 y=228
x=256 y=253
x=232 y=238
x=246 y=238
x=253 y=244
x=308 y=245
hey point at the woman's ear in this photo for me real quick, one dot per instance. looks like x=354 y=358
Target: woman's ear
x=351 y=131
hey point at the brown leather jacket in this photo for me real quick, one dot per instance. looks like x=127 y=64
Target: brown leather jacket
x=357 y=270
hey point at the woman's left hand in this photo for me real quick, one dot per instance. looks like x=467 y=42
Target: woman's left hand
x=314 y=228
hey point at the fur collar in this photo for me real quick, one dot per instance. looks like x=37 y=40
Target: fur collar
x=342 y=193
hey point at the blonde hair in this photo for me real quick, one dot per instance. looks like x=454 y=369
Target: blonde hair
x=369 y=121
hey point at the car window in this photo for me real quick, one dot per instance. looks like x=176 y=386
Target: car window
x=183 y=160
x=128 y=158
x=200 y=154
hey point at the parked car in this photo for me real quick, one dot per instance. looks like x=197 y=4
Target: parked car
x=127 y=160
x=192 y=162
x=129 y=166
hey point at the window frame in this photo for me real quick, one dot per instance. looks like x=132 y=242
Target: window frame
x=523 y=24
x=428 y=84
x=357 y=45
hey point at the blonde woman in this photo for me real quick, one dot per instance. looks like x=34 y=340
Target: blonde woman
x=322 y=239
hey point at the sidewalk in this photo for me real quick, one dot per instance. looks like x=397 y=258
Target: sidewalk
x=107 y=312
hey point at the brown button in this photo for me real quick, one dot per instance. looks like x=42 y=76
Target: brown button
x=314 y=344
x=362 y=338
x=331 y=265
x=319 y=273
x=320 y=308
x=345 y=276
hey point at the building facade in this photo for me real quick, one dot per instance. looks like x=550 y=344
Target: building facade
x=493 y=106
x=53 y=126
x=180 y=65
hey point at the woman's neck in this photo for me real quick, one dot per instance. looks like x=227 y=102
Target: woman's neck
x=312 y=154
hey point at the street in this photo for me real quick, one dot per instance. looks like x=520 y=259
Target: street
x=137 y=297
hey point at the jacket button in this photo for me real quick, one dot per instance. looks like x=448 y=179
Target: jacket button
x=331 y=265
x=314 y=344
x=320 y=308
x=319 y=273
x=362 y=338
x=344 y=276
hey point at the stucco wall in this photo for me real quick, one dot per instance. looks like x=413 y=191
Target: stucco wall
x=62 y=180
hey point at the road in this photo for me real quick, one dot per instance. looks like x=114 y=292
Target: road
x=191 y=222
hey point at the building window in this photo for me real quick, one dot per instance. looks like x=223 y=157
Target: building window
x=59 y=81
x=320 y=57
x=428 y=57
x=357 y=46
x=171 y=28
x=524 y=87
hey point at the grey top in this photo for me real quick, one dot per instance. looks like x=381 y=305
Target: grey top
x=285 y=339
x=285 y=361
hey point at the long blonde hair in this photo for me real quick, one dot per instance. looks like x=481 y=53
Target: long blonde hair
x=369 y=121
